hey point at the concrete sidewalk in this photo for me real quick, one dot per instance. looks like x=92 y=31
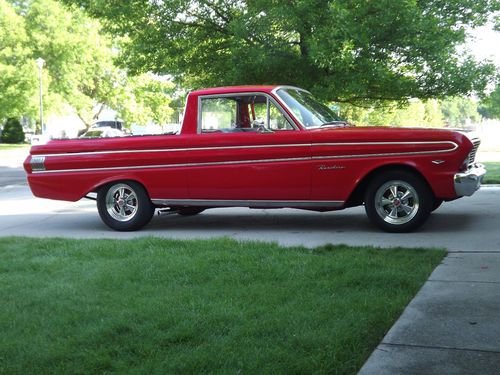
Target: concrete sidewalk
x=452 y=326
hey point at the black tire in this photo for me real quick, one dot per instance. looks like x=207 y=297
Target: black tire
x=190 y=211
x=124 y=206
x=406 y=211
x=437 y=203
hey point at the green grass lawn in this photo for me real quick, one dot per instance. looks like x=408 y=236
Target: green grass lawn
x=202 y=306
x=492 y=173
x=8 y=146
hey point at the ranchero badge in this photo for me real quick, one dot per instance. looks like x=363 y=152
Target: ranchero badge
x=330 y=167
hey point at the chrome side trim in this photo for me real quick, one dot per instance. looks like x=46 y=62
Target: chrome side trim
x=179 y=149
x=174 y=165
x=245 y=203
x=378 y=155
x=334 y=157
x=455 y=146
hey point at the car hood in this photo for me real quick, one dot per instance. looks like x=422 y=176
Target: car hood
x=380 y=133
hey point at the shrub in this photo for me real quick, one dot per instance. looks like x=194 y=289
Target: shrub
x=12 y=132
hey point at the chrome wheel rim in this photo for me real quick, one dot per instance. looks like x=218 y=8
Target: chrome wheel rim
x=121 y=202
x=396 y=202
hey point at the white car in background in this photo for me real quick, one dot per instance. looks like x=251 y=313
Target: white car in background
x=103 y=132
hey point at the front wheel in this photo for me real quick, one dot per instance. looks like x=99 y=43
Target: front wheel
x=398 y=201
x=124 y=206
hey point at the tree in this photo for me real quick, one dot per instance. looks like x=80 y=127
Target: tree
x=146 y=99
x=17 y=81
x=490 y=106
x=433 y=115
x=428 y=113
x=343 y=50
x=79 y=72
x=80 y=75
x=459 y=111
x=12 y=131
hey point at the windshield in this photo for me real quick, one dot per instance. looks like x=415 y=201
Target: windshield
x=308 y=110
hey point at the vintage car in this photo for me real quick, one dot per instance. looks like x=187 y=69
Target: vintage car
x=261 y=147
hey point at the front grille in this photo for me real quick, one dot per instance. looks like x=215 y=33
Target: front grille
x=472 y=155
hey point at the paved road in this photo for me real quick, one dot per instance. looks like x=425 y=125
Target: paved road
x=468 y=224
x=12 y=176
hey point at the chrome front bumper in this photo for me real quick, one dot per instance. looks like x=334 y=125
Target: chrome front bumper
x=466 y=183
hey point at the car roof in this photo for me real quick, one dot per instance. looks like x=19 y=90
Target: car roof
x=233 y=89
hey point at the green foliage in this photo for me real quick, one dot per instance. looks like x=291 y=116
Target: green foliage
x=79 y=69
x=163 y=306
x=490 y=106
x=18 y=81
x=433 y=115
x=455 y=112
x=12 y=131
x=79 y=74
x=342 y=50
x=145 y=99
x=459 y=111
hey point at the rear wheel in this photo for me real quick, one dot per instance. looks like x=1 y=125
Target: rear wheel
x=398 y=201
x=124 y=206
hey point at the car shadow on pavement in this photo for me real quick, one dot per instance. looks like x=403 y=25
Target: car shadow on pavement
x=211 y=220
x=440 y=222
x=85 y=222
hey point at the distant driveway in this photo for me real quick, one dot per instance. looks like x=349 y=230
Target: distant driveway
x=12 y=176
x=468 y=224
x=11 y=166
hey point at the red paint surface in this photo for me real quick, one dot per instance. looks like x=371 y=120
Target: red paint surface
x=307 y=179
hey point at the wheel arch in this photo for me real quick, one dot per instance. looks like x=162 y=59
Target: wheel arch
x=115 y=179
x=356 y=197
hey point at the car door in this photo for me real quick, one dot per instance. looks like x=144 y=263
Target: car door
x=248 y=149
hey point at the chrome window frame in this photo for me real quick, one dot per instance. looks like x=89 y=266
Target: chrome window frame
x=269 y=98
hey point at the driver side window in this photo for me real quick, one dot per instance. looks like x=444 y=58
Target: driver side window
x=276 y=121
x=241 y=113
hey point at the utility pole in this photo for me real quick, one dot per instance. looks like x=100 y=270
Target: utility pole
x=40 y=62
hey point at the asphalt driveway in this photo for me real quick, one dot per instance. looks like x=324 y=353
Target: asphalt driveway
x=12 y=176
x=468 y=224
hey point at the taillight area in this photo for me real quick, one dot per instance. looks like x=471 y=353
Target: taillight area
x=27 y=164
x=37 y=163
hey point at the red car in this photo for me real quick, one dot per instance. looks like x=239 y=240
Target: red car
x=261 y=147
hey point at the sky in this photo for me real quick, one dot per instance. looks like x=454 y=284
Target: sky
x=485 y=44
